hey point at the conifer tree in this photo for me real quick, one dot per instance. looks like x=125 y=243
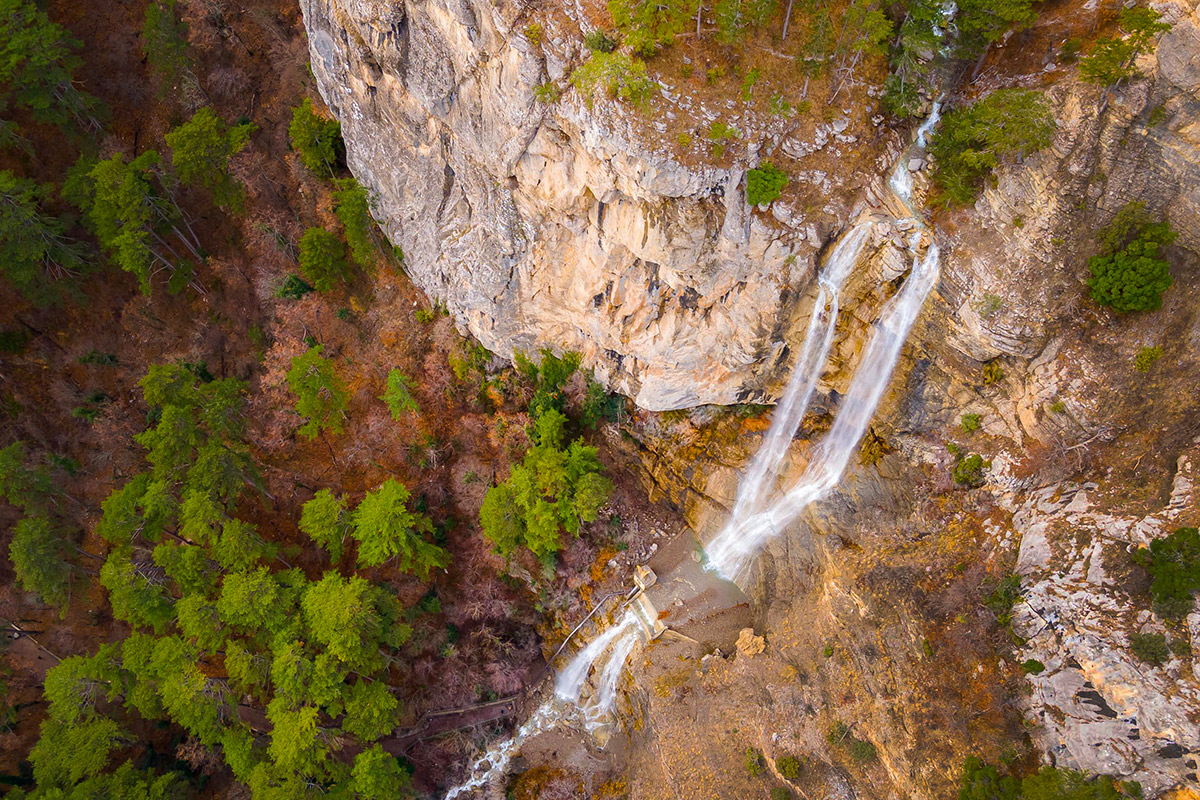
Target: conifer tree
x=735 y=18
x=553 y=489
x=650 y=24
x=323 y=259
x=398 y=395
x=131 y=215
x=37 y=552
x=164 y=43
x=324 y=520
x=37 y=62
x=1112 y=60
x=200 y=153
x=353 y=208
x=321 y=397
x=36 y=255
x=379 y=776
x=317 y=140
x=387 y=530
x=982 y=22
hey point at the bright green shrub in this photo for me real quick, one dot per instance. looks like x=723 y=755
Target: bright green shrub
x=1174 y=566
x=764 y=184
x=1129 y=273
x=969 y=471
x=616 y=75
x=788 y=766
x=1146 y=358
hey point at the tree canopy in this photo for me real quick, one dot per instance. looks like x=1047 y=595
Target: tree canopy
x=974 y=140
x=1112 y=59
x=650 y=24
x=316 y=139
x=200 y=153
x=553 y=489
x=36 y=254
x=1129 y=273
x=320 y=396
x=387 y=530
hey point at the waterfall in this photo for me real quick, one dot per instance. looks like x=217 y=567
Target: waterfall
x=570 y=680
x=749 y=526
x=563 y=704
x=606 y=696
x=495 y=761
x=790 y=411
x=753 y=520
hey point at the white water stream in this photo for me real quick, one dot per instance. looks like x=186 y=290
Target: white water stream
x=754 y=520
x=750 y=525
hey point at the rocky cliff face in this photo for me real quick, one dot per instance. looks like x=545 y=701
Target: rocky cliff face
x=569 y=227
x=578 y=228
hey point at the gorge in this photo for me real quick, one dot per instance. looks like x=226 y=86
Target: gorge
x=567 y=216
x=600 y=400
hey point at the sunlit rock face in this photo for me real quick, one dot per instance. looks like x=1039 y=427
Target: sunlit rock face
x=559 y=225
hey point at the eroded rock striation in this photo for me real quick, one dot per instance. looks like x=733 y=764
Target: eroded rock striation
x=562 y=225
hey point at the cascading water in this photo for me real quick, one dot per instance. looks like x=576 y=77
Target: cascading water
x=570 y=680
x=753 y=521
x=606 y=696
x=789 y=413
x=732 y=551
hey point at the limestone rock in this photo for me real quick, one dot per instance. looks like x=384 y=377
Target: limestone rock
x=750 y=645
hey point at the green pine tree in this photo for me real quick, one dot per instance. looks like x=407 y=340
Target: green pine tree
x=317 y=140
x=387 y=530
x=650 y=24
x=36 y=255
x=320 y=396
x=323 y=259
x=200 y=153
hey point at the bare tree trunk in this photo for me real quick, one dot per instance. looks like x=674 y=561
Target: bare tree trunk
x=787 y=18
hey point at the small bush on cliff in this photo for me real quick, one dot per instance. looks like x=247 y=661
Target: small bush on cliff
x=1174 y=566
x=969 y=471
x=616 y=75
x=599 y=42
x=317 y=140
x=764 y=184
x=973 y=141
x=1129 y=272
x=788 y=766
x=1150 y=647
x=1146 y=358
x=753 y=761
